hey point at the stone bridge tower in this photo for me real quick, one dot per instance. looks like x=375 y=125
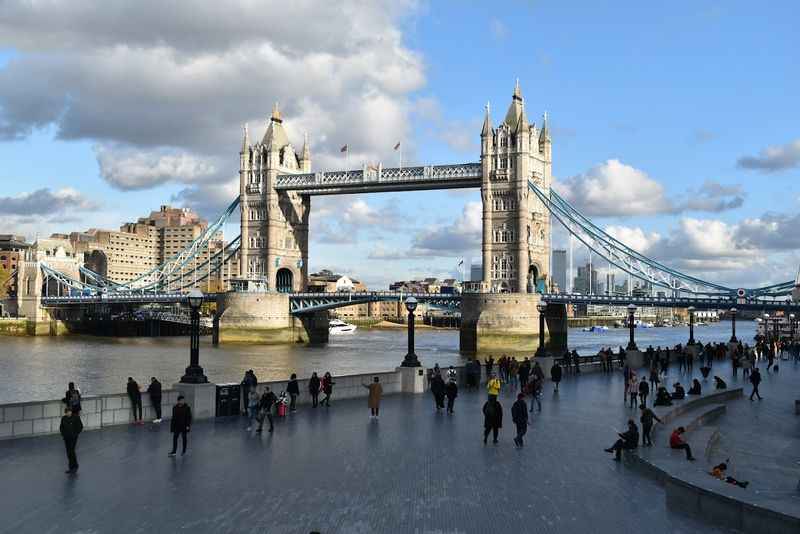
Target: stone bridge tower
x=274 y=225
x=516 y=225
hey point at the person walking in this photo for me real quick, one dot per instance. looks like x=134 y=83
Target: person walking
x=374 y=399
x=180 y=424
x=313 y=389
x=676 y=441
x=154 y=390
x=327 y=389
x=452 y=374
x=437 y=388
x=71 y=426
x=633 y=389
x=268 y=399
x=755 y=379
x=628 y=440
x=250 y=381
x=647 y=418
x=293 y=390
x=72 y=398
x=135 y=395
x=451 y=392
x=536 y=393
x=489 y=365
x=252 y=408
x=555 y=374
x=524 y=373
x=492 y=419
x=493 y=386
x=644 y=391
x=519 y=414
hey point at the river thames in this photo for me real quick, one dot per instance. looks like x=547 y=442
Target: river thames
x=40 y=368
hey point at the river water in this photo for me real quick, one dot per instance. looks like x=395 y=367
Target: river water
x=40 y=368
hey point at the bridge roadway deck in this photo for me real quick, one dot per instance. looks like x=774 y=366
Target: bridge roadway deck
x=336 y=471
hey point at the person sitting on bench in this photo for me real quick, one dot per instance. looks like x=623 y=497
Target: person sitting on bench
x=679 y=392
x=628 y=440
x=663 y=397
x=676 y=442
x=719 y=383
x=695 y=389
x=719 y=472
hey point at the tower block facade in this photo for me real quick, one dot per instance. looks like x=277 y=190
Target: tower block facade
x=516 y=225
x=274 y=225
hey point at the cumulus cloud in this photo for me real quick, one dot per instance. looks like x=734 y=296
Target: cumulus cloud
x=168 y=86
x=771 y=231
x=774 y=158
x=145 y=169
x=613 y=188
x=45 y=202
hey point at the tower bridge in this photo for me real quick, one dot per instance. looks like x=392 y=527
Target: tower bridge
x=514 y=175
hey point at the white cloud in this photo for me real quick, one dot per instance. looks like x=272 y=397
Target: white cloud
x=45 y=202
x=170 y=85
x=459 y=237
x=129 y=170
x=773 y=158
x=616 y=189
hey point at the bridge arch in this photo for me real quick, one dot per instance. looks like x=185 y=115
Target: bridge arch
x=284 y=280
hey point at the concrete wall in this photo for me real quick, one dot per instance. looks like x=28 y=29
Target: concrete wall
x=257 y=318
x=26 y=419
x=13 y=327
x=499 y=322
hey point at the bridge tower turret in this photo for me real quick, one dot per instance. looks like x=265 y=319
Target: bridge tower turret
x=516 y=225
x=274 y=224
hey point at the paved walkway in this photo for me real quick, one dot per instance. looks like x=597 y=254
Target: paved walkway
x=336 y=471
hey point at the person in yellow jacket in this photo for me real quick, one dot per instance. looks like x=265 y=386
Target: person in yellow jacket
x=493 y=386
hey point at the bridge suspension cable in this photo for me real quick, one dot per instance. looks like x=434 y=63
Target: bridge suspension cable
x=632 y=261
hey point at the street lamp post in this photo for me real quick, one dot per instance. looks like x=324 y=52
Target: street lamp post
x=733 y=326
x=194 y=373
x=540 y=351
x=766 y=328
x=411 y=359
x=691 y=325
x=631 y=326
x=791 y=326
x=775 y=325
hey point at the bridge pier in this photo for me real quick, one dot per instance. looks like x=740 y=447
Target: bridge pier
x=508 y=322
x=264 y=317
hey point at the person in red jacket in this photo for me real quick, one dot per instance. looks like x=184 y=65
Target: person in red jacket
x=676 y=442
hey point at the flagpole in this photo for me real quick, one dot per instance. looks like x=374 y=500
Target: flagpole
x=401 y=157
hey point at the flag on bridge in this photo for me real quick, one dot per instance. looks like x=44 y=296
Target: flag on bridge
x=397 y=145
x=343 y=149
x=461 y=263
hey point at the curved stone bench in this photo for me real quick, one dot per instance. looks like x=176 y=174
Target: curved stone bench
x=688 y=485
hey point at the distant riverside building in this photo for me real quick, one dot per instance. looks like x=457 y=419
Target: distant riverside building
x=327 y=281
x=122 y=256
x=560 y=269
x=476 y=272
x=12 y=252
x=582 y=283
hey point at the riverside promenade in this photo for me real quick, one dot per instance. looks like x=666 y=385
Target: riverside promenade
x=336 y=470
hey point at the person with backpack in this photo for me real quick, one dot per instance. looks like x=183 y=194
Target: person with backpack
x=268 y=399
x=154 y=390
x=71 y=426
x=135 y=396
x=644 y=391
x=249 y=382
x=327 y=389
x=451 y=392
x=72 y=398
x=492 y=418
x=180 y=424
x=535 y=387
x=293 y=389
x=519 y=414
x=314 y=385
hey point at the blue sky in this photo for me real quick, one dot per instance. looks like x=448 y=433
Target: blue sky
x=693 y=104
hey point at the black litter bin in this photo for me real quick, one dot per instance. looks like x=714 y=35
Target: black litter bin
x=228 y=399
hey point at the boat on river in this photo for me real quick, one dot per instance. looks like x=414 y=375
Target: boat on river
x=596 y=328
x=336 y=326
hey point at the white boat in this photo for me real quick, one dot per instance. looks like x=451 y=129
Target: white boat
x=335 y=326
